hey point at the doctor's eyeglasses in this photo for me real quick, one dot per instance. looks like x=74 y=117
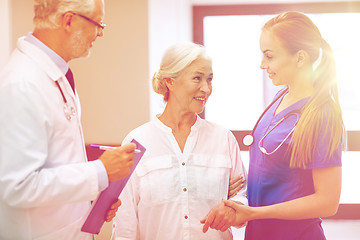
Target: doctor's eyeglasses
x=100 y=26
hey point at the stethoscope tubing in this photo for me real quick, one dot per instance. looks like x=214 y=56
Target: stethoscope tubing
x=248 y=140
x=262 y=149
x=62 y=93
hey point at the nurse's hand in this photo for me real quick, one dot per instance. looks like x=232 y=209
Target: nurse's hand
x=235 y=185
x=112 y=212
x=243 y=213
x=118 y=161
x=219 y=217
x=225 y=215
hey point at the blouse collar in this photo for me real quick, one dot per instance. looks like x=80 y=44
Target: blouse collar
x=162 y=126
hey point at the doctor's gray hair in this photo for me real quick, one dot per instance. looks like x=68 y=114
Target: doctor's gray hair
x=174 y=61
x=48 y=12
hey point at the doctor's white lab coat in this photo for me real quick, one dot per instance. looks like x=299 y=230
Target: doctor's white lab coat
x=46 y=183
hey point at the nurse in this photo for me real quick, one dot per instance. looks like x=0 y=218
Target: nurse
x=295 y=158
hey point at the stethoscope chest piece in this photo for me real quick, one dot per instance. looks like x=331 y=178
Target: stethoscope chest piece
x=248 y=140
x=69 y=111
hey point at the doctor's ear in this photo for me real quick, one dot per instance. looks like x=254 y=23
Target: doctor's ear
x=66 y=20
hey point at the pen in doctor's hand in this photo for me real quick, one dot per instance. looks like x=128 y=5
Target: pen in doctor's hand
x=103 y=147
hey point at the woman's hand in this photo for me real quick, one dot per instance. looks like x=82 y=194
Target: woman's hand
x=242 y=213
x=224 y=215
x=235 y=185
x=112 y=211
x=219 y=218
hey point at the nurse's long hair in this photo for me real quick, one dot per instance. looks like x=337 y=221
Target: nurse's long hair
x=322 y=113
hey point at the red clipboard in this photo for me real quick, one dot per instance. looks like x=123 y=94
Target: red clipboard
x=101 y=206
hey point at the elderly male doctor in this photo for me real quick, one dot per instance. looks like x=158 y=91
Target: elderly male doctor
x=46 y=182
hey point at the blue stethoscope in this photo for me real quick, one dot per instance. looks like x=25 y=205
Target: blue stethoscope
x=248 y=140
x=69 y=111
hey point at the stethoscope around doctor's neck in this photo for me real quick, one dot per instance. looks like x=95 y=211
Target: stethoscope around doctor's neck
x=248 y=140
x=69 y=111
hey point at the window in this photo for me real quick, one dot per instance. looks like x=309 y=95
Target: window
x=233 y=43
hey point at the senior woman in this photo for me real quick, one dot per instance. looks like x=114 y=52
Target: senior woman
x=186 y=169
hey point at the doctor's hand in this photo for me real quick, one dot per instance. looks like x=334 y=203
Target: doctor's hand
x=118 y=161
x=112 y=211
x=235 y=185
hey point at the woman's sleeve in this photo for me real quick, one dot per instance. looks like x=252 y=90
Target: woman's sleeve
x=125 y=224
x=238 y=168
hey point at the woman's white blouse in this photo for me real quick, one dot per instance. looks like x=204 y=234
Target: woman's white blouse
x=171 y=191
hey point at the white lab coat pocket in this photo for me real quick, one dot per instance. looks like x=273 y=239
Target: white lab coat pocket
x=158 y=180
x=209 y=176
x=71 y=231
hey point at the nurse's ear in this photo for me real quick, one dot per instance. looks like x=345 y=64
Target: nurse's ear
x=302 y=58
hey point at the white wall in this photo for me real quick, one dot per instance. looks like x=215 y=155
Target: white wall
x=5 y=30
x=170 y=21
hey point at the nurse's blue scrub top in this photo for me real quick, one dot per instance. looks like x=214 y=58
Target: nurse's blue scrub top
x=272 y=181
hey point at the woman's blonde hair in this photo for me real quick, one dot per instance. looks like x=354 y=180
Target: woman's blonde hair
x=174 y=61
x=322 y=113
x=47 y=12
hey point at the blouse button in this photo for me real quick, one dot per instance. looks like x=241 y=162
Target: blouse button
x=183 y=164
x=184 y=189
x=186 y=217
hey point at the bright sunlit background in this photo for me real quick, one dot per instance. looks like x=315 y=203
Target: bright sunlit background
x=241 y=90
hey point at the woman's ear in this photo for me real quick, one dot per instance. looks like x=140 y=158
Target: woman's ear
x=169 y=83
x=302 y=58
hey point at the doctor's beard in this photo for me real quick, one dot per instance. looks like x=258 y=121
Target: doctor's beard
x=80 y=46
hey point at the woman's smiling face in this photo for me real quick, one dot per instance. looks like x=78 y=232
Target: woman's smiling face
x=193 y=87
x=278 y=62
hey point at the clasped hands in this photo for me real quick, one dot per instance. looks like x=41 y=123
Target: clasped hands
x=224 y=215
